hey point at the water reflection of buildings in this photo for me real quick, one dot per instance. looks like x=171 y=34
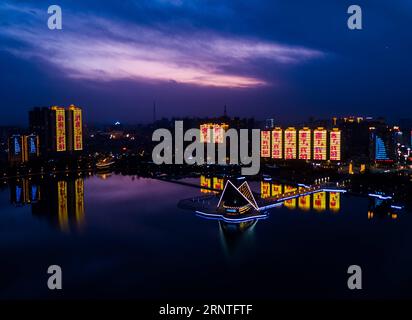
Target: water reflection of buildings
x=381 y=209
x=24 y=191
x=61 y=201
x=319 y=201
x=209 y=183
x=235 y=235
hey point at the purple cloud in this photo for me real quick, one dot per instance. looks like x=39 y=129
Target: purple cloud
x=94 y=48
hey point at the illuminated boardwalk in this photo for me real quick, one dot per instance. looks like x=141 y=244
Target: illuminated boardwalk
x=248 y=208
x=278 y=200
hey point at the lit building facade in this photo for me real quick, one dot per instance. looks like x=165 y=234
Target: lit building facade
x=356 y=137
x=335 y=142
x=320 y=144
x=265 y=144
x=305 y=144
x=60 y=129
x=23 y=148
x=382 y=145
x=16 y=153
x=74 y=128
x=290 y=143
x=277 y=143
x=32 y=145
x=213 y=132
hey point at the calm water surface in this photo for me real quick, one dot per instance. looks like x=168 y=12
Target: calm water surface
x=124 y=237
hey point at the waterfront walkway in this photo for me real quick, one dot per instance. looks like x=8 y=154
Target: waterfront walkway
x=208 y=203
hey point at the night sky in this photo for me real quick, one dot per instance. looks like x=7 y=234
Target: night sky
x=283 y=59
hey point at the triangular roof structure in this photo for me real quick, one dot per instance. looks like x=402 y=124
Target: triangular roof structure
x=238 y=196
x=245 y=190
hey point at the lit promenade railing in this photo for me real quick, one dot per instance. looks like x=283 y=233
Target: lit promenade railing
x=209 y=203
x=294 y=194
x=280 y=199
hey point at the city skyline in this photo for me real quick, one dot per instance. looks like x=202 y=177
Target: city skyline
x=289 y=63
x=205 y=158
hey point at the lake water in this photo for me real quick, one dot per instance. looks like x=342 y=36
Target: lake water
x=124 y=237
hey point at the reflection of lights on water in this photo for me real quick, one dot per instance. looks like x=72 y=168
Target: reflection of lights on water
x=296 y=197
x=216 y=216
x=380 y=196
x=211 y=183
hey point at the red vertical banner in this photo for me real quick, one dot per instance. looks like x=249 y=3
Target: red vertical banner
x=60 y=130
x=265 y=144
x=290 y=143
x=319 y=144
x=78 y=130
x=305 y=144
x=335 y=145
x=277 y=144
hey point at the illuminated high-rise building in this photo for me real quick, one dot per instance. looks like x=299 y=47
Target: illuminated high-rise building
x=290 y=143
x=23 y=148
x=31 y=146
x=305 y=144
x=213 y=132
x=277 y=143
x=356 y=136
x=335 y=145
x=382 y=145
x=265 y=144
x=320 y=144
x=50 y=125
x=59 y=129
x=16 y=152
x=205 y=133
x=74 y=128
